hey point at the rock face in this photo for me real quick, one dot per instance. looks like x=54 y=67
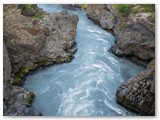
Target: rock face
x=16 y=100
x=32 y=42
x=104 y=15
x=6 y=73
x=138 y=93
x=31 y=45
x=137 y=39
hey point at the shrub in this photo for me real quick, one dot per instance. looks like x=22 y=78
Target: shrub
x=148 y=7
x=124 y=9
x=84 y=6
x=24 y=6
x=39 y=15
x=31 y=10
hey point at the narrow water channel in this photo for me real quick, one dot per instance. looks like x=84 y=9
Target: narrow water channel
x=87 y=85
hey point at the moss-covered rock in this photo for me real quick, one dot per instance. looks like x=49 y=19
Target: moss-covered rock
x=31 y=10
x=19 y=76
x=27 y=10
x=33 y=42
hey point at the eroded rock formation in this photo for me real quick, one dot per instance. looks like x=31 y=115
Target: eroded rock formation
x=104 y=15
x=29 y=42
x=138 y=93
x=137 y=39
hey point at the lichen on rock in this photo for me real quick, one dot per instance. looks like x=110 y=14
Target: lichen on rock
x=138 y=93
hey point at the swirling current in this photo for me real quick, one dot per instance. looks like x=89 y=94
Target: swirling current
x=87 y=85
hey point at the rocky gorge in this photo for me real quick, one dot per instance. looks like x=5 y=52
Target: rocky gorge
x=135 y=39
x=34 y=38
x=29 y=42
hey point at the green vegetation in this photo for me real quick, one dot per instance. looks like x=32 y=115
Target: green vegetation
x=31 y=10
x=84 y=6
x=124 y=9
x=18 y=77
x=148 y=7
x=39 y=15
x=26 y=6
x=11 y=42
x=30 y=98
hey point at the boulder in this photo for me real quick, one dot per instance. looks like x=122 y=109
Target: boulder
x=145 y=19
x=28 y=12
x=19 y=103
x=30 y=46
x=137 y=39
x=16 y=100
x=104 y=15
x=138 y=93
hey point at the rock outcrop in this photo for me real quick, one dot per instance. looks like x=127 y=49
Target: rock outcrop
x=137 y=39
x=48 y=41
x=16 y=100
x=32 y=41
x=138 y=93
x=104 y=15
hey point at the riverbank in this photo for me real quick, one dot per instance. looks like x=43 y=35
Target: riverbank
x=87 y=85
x=134 y=29
x=32 y=38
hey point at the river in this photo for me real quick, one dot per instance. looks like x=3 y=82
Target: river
x=87 y=85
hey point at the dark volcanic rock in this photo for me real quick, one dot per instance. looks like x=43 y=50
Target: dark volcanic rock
x=30 y=45
x=105 y=15
x=137 y=39
x=138 y=93
x=16 y=100
x=19 y=103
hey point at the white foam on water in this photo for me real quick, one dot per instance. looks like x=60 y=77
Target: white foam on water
x=87 y=85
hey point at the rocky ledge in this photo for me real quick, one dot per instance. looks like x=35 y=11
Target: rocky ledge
x=136 y=40
x=134 y=30
x=104 y=15
x=32 y=38
x=138 y=93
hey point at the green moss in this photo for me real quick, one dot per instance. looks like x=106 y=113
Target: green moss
x=148 y=7
x=11 y=42
x=84 y=6
x=135 y=10
x=18 y=77
x=120 y=27
x=24 y=6
x=39 y=15
x=17 y=80
x=34 y=6
x=124 y=9
x=30 y=98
